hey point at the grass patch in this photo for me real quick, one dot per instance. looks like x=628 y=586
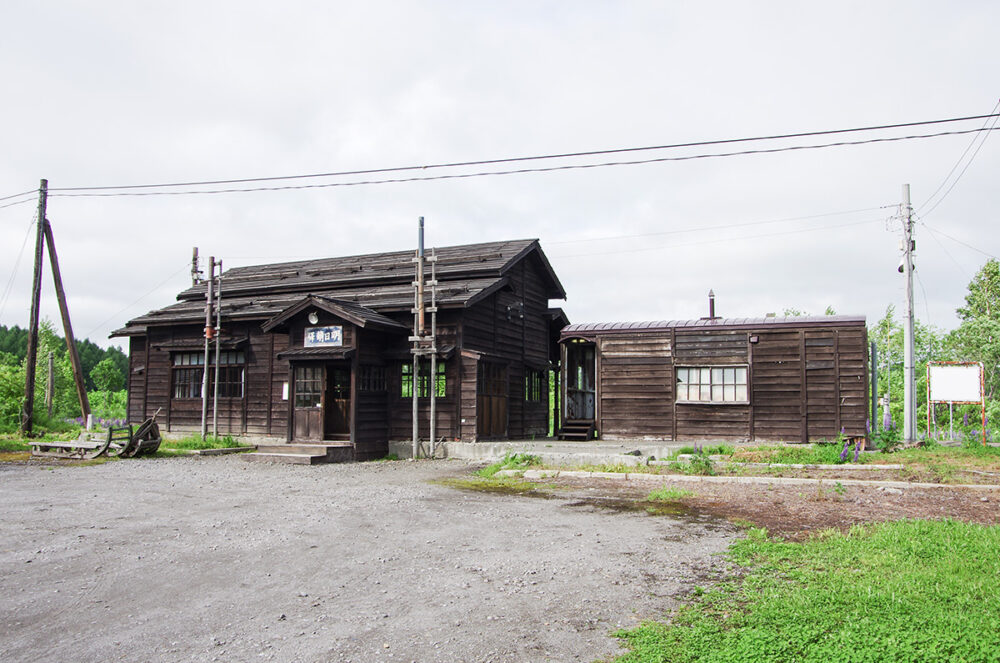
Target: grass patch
x=669 y=494
x=806 y=454
x=903 y=591
x=509 y=462
x=193 y=442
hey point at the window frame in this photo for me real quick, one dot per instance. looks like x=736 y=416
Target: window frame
x=535 y=385
x=423 y=387
x=187 y=374
x=741 y=370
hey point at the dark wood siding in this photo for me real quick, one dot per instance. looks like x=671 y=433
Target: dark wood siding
x=636 y=385
x=776 y=386
x=705 y=347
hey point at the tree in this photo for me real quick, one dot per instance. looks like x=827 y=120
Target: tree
x=106 y=376
x=978 y=336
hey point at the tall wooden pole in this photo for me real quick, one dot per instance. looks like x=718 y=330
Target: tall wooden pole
x=74 y=355
x=50 y=385
x=28 y=409
x=209 y=333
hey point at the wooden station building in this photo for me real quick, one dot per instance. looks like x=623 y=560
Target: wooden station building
x=794 y=379
x=318 y=350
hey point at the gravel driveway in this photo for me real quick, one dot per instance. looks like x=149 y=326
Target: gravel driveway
x=207 y=559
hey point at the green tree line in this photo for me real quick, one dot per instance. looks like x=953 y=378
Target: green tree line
x=104 y=375
x=976 y=339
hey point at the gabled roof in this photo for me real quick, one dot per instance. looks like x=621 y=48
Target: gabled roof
x=600 y=328
x=380 y=282
x=464 y=262
x=358 y=315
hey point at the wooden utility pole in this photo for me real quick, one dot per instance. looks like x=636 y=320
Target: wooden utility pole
x=74 y=355
x=50 y=385
x=28 y=410
x=209 y=333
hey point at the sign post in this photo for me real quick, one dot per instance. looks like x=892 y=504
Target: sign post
x=956 y=382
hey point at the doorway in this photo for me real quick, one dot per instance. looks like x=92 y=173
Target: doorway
x=580 y=381
x=491 y=400
x=322 y=403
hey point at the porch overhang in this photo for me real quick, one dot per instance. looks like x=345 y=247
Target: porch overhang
x=317 y=354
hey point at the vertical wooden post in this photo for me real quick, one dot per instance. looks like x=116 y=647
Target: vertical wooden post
x=50 y=385
x=74 y=355
x=28 y=409
x=208 y=339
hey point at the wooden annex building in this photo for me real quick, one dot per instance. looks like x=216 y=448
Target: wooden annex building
x=794 y=379
x=318 y=350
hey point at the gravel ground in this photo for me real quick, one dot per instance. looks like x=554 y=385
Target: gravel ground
x=217 y=559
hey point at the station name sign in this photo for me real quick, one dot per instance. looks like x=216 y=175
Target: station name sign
x=324 y=337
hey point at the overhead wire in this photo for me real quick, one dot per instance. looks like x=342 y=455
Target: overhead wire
x=982 y=140
x=715 y=240
x=958 y=241
x=9 y=288
x=18 y=195
x=187 y=265
x=518 y=171
x=564 y=155
x=19 y=202
x=715 y=227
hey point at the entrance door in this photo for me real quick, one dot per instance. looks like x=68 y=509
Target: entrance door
x=580 y=382
x=337 y=424
x=491 y=400
x=308 y=406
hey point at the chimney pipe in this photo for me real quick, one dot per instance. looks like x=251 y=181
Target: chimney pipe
x=711 y=305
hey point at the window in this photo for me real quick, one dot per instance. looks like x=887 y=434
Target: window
x=308 y=386
x=423 y=391
x=372 y=378
x=534 y=385
x=188 y=374
x=712 y=384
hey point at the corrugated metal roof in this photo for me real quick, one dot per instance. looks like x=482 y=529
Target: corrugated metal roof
x=590 y=328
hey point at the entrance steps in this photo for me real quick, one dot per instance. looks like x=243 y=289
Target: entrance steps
x=302 y=453
x=577 y=430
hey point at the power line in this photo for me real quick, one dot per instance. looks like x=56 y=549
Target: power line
x=18 y=195
x=716 y=240
x=966 y=151
x=565 y=155
x=9 y=288
x=20 y=202
x=519 y=171
x=967 y=164
x=187 y=265
x=717 y=227
x=958 y=241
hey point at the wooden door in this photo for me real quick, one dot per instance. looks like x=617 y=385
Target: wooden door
x=580 y=382
x=491 y=400
x=337 y=408
x=308 y=403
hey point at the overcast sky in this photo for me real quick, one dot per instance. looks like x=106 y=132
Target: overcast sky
x=111 y=93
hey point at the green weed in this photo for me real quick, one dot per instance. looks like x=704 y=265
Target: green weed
x=509 y=462
x=210 y=442
x=669 y=494
x=903 y=591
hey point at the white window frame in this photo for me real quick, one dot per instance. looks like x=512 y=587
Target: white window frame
x=721 y=390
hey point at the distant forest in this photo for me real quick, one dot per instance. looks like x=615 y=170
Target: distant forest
x=14 y=341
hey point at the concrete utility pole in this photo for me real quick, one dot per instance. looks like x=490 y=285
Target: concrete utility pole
x=909 y=383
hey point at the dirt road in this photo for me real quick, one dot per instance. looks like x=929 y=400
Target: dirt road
x=217 y=559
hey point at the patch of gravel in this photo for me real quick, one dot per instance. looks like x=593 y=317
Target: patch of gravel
x=217 y=559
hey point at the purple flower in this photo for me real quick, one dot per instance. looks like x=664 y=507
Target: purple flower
x=857 y=450
x=843 y=454
x=965 y=419
x=868 y=426
x=887 y=419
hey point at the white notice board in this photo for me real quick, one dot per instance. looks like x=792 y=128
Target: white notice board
x=955 y=383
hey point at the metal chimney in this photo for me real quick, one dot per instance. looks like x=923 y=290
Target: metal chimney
x=711 y=305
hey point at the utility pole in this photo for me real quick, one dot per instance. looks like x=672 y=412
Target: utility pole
x=74 y=354
x=28 y=410
x=218 y=341
x=909 y=384
x=209 y=333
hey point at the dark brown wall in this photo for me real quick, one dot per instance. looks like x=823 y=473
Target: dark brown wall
x=805 y=384
x=517 y=342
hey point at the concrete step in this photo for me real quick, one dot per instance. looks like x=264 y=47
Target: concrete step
x=304 y=454
x=291 y=459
